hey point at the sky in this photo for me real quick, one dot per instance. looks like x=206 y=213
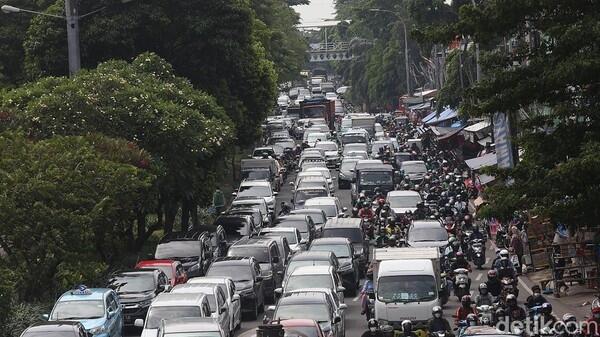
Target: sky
x=316 y=12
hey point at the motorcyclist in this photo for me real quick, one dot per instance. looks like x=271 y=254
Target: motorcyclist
x=297 y=150
x=438 y=322
x=377 y=194
x=452 y=248
x=366 y=213
x=367 y=290
x=568 y=326
x=465 y=309
x=493 y=283
x=593 y=323
x=515 y=312
x=460 y=262
x=484 y=297
x=407 y=329
x=547 y=317
x=421 y=211
x=504 y=266
x=284 y=209
x=536 y=299
x=362 y=201
x=373 y=330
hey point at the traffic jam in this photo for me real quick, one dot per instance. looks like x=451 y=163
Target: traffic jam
x=344 y=224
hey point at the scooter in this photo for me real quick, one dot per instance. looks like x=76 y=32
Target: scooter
x=478 y=252
x=461 y=283
x=486 y=315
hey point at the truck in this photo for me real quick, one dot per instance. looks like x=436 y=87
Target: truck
x=368 y=176
x=319 y=107
x=364 y=122
x=408 y=283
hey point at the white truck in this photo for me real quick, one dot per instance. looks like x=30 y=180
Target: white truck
x=408 y=284
x=364 y=122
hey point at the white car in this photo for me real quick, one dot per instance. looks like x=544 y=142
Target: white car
x=191 y=327
x=315 y=137
x=313 y=181
x=292 y=235
x=325 y=172
x=259 y=204
x=217 y=300
x=402 y=201
x=255 y=189
x=332 y=96
x=233 y=299
x=332 y=154
x=331 y=206
x=283 y=101
x=168 y=306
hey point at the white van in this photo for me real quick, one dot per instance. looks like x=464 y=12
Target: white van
x=405 y=289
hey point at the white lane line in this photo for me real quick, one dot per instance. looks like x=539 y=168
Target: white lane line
x=472 y=292
x=478 y=277
x=487 y=260
x=524 y=286
x=355 y=299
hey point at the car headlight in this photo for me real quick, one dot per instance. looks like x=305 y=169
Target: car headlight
x=96 y=330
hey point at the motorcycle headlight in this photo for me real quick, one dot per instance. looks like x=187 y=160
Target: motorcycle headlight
x=96 y=330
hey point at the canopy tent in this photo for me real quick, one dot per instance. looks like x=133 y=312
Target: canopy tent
x=421 y=106
x=478 y=126
x=485 y=141
x=485 y=179
x=450 y=134
x=429 y=117
x=442 y=117
x=458 y=124
x=489 y=159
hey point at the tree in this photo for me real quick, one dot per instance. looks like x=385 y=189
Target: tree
x=183 y=129
x=214 y=44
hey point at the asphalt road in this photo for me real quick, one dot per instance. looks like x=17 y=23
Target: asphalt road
x=355 y=323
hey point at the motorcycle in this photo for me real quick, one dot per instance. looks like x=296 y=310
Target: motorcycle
x=486 y=315
x=466 y=243
x=369 y=228
x=502 y=239
x=478 y=252
x=508 y=287
x=355 y=212
x=461 y=283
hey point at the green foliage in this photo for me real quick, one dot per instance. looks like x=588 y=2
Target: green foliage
x=21 y=316
x=7 y=286
x=460 y=75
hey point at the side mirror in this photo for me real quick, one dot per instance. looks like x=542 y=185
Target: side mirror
x=46 y=317
x=303 y=241
x=344 y=209
x=341 y=215
x=275 y=193
x=214 y=315
x=234 y=193
x=167 y=288
x=291 y=183
x=343 y=306
x=270 y=308
x=139 y=322
x=278 y=291
x=275 y=259
x=235 y=297
x=337 y=319
x=341 y=289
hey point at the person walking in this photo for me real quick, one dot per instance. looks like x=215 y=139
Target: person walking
x=218 y=200
x=516 y=244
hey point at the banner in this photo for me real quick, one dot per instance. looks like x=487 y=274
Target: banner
x=502 y=141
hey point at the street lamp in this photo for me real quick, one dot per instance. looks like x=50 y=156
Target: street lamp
x=377 y=10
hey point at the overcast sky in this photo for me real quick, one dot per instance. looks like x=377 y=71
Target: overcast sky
x=316 y=11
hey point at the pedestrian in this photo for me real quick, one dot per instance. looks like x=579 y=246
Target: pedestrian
x=218 y=200
x=517 y=245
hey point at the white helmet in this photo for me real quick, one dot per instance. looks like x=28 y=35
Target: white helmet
x=504 y=254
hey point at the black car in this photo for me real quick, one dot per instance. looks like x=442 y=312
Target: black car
x=266 y=252
x=302 y=222
x=253 y=212
x=343 y=250
x=56 y=328
x=247 y=276
x=237 y=226
x=136 y=290
x=192 y=249
x=218 y=239
x=351 y=229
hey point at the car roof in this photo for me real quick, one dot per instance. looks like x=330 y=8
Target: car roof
x=249 y=201
x=172 y=299
x=344 y=223
x=260 y=241
x=312 y=255
x=331 y=241
x=192 y=288
x=158 y=262
x=262 y=183
x=89 y=294
x=293 y=217
x=190 y=324
x=312 y=270
x=426 y=224
x=314 y=178
x=303 y=298
x=308 y=211
x=408 y=162
x=311 y=188
x=403 y=193
x=298 y=322
x=278 y=229
x=320 y=201
x=327 y=142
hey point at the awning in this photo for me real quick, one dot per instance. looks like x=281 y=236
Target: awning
x=485 y=179
x=483 y=161
x=426 y=105
x=443 y=116
x=458 y=124
x=450 y=134
x=478 y=126
x=484 y=141
x=429 y=117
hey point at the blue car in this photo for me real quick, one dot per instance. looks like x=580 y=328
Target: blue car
x=98 y=309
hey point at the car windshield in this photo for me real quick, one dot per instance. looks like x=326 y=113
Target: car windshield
x=176 y=249
x=406 y=288
x=404 y=201
x=260 y=253
x=355 y=148
x=256 y=175
x=331 y=211
x=348 y=139
x=414 y=167
x=312 y=183
x=303 y=195
x=301 y=331
x=291 y=237
x=355 y=235
x=167 y=269
x=301 y=225
x=237 y=273
x=327 y=146
x=323 y=171
x=427 y=234
x=348 y=165
x=313 y=137
x=303 y=263
x=254 y=191
x=133 y=283
x=76 y=310
x=317 y=312
x=376 y=178
x=296 y=282
x=341 y=251
x=157 y=314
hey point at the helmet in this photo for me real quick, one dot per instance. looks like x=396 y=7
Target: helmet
x=511 y=300
x=437 y=310
x=568 y=317
x=466 y=300
x=460 y=255
x=472 y=319
x=377 y=190
x=492 y=274
x=504 y=254
x=547 y=308
x=500 y=313
x=451 y=240
x=373 y=323
x=483 y=288
x=406 y=325
x=467 y=217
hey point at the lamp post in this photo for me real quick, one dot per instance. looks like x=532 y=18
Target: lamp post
x=377 y=10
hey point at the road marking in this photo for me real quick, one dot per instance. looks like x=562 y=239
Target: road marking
x=478 y=277
x=524 y=286
x=472 y=292
x=355 y=299
x=487 y=260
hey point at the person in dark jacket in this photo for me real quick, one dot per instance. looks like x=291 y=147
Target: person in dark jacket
x=374 y=330
x=494 y=285
x=536 y=299
x=438 y=322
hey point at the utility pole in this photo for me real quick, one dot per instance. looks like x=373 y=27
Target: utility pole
x=72 y=16
x=406 y=63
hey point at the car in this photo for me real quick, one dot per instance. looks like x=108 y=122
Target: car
x=312 y=276
x=247 y=276
x=255 y=213
x=266 y=253
x=330 y=205
x=285 y=143
x=325 y=172
x=190 y=327
x=332 y=155
x=305 y=174
x=97 y=309
x=310 y=305
x=301 y=195
x=291 y=234
x=255 y=189
x=264 y=152
x=355 y=136
x=339 y=307
x=284 y=248
x=380 y=144
x=217 y=300
x=427 y=233
x=306 y=164
x=136 y=290
x=312 y=153
x=296 y=327
x=332 y=96
x=402 y=201
x=237 y=226
x=56 y=329
x=313 y=137
x=351 y=229
x=260 y=204
x=311 y=258
x=228 y=287
x=172 y=268
x=349 y=268
x=313 y=181
x=302 y=222
x=363 y=155
x=283 y=101
x=355 y=147
x=317 y=215
x=346 y=173
x=415 y=170
x=168 y=306
x=193 y=249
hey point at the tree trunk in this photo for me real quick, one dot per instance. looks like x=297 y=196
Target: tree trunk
x=141 y=226
x=185 y=214
x=170 y=214
x=194 y=211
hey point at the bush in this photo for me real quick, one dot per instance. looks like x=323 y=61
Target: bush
x=21 y=316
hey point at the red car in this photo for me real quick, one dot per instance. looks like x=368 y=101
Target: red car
x=302 y=327
x=173 y=269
